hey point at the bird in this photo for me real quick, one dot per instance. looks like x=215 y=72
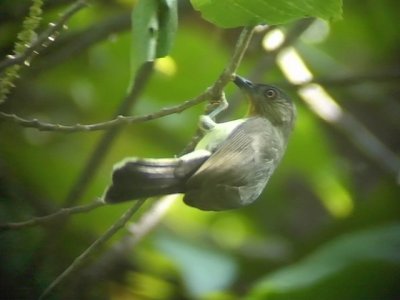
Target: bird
x=229 y=167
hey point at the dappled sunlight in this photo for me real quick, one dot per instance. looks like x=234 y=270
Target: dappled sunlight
x=166 y=65
x=334 y=196
x=273 y=39
x=321 y=102
x=293 y=66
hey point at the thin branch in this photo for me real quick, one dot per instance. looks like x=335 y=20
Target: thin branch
x=121 y=249
x=81 y=259
x=227 y=75
x=44 y=37
x=268 y=59
x=216 y=90
x=78 y=188
x=49 y=218
x=213 y=92
x=75 y=43
x=120 y=120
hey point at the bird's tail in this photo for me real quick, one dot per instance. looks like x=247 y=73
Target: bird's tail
x=138 y=178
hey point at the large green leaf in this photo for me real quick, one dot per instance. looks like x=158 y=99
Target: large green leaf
x=154 y=25
x=375 y=252
x=203 y=270
x=234 y=13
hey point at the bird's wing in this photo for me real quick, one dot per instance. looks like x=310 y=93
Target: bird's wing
x=246 y=152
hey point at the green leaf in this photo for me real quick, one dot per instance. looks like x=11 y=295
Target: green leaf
x=203 y=270
x=349 y=256
x=144 y=33
x=168 y=19
x=234 y=13
x=154 y=26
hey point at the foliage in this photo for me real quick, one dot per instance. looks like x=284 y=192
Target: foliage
x=327 y=225
x=233 y=13
x=24 y=39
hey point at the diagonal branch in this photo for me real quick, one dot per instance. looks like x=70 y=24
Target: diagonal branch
x=43 y=38
x=81 y=259
x=52 y=217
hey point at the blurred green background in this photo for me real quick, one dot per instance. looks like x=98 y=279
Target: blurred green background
x=326 y=227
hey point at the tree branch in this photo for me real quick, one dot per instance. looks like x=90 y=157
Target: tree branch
x=226 y=76
x=49 y=218
x=125 y=120
x=120 y=250
x=214 y=92
x=81 y=259
x=76 y=43
x=119 y=120
x=43 y=38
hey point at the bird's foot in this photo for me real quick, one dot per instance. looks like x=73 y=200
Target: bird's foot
x=222 y=105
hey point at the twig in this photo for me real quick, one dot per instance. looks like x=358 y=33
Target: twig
x=120 y=120
x=75 y=43
x=227 y=75
x=83 y=180
x=121 y=249
x=269 y=58
x=213 y=92
x=43 y=38
x=49 y=218
x=81 y=259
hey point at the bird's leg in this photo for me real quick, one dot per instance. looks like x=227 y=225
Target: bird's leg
x=222 y=105
x=207 y=122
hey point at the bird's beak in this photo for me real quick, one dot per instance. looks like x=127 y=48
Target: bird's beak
x=248 y=88
x=243 y=83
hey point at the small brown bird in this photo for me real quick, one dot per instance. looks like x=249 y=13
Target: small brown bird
x=229 y=167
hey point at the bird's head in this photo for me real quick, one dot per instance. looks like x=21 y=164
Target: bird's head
x=268 y=101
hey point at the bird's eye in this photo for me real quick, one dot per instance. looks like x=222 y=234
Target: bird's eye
x=270 y=94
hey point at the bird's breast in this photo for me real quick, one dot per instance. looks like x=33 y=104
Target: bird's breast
x=217 y=135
